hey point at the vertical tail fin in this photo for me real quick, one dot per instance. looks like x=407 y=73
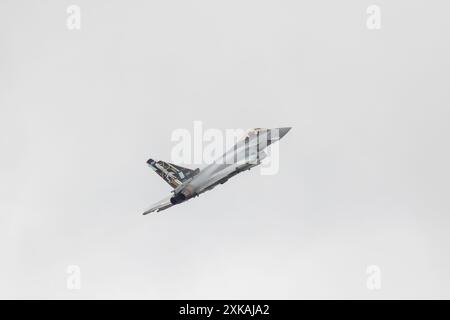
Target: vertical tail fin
x=174 y=175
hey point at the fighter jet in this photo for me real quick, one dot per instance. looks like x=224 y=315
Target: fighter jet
x=247 y=153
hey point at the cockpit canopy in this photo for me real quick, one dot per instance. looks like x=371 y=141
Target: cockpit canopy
x=252 y=132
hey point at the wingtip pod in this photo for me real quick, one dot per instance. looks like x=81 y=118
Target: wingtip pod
x=151 y=211
x=159 y=206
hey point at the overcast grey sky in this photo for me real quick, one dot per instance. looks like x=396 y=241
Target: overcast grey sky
x=364 y=174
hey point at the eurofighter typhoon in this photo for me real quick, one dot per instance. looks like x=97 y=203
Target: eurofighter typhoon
x=247 y=153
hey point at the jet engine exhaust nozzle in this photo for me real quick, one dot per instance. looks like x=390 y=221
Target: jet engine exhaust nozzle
x=179 y=198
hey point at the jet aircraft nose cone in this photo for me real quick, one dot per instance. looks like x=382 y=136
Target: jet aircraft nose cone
x=282 y=131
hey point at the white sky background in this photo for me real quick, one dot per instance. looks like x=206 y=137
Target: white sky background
x=364 y=176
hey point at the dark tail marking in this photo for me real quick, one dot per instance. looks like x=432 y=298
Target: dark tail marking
x=174 y=175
